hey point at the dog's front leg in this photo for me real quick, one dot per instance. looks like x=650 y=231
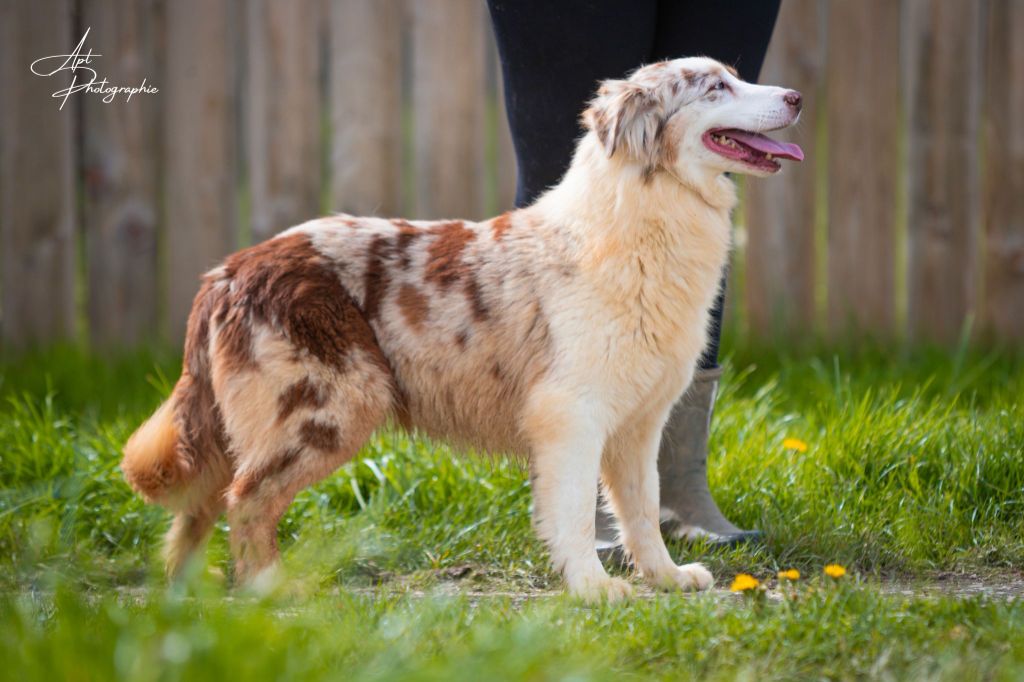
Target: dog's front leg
x=564 y=468
x=630 y=473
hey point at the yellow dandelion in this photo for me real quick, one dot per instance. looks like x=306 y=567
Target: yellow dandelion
x=744 y=582
x=794 y=444
x=791 y=574
x=835 y=571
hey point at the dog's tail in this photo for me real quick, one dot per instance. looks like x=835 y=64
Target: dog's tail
x=173 y=447
x=152 y=464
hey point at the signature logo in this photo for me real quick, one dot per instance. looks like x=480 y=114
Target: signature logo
x=85 y=78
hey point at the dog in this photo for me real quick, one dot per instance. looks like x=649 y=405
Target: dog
x=562 y=332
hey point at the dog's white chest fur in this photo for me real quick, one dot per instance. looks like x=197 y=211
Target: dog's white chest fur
x=633 y=320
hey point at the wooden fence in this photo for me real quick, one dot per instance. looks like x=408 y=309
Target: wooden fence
x=907 y=219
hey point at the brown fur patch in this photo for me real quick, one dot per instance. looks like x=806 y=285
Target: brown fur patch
x=501 y=225
x=201 y=435
x=377 y=278
x=693 y=78
x=445 y=265
x=476 y=301
x=407 y=234
x=197 y=417
x=286 y=284
x=732 y=70
x=601 y=123
x=251 y=481
x=413 y=305
x=667 y=151
x=303 y=393
x=444 y=255
x=234 y=338
x=197 y=337
x=404 y=241
x=320 y=436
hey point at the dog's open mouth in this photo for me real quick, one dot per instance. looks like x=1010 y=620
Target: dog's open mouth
x=753 y=149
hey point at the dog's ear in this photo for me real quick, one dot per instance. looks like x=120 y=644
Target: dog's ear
x=626 y=116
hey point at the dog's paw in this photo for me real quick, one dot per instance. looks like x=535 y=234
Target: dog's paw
x=262 y=583
x=688 y=577
x=600 y=589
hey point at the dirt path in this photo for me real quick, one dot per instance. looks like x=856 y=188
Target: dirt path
x=960 y=585
x=466 y=583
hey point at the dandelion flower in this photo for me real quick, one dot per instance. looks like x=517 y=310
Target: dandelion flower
x=835 y=571
x=744 y=582
x=791 y=574
x=794 y=444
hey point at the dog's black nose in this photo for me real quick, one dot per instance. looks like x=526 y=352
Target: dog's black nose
x=794 y=99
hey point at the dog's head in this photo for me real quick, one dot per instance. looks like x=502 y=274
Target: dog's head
x=695 y=112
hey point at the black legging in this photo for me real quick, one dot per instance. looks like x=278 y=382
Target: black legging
x=554 y=53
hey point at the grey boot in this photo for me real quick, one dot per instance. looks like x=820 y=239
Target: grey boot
x=687 y=509
x=607 y=537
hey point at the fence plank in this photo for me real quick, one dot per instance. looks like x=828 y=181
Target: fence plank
x=283 y=109
x=863 y=105
x=119 y=172
x=199 y=147
x=448 y=98
x=506 y=154
x=37 y=160
x=781 y=211
x=943 y=53
x=1003 y=306
x=366 y=106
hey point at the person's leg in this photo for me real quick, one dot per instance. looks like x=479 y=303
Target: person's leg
x=735 y=32
x=553 y=54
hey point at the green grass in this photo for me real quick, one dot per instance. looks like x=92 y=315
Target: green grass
x=914 y=466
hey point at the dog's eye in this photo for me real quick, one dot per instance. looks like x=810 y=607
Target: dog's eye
x=719 y=85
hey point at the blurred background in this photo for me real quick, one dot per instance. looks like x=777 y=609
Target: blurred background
x=905 y=224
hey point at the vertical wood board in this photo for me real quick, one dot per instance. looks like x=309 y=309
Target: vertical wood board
x=200 y=147
x=37 y=161
x=1003 y=306
x=780 y=210
x=366 y=106
x=863 y=108
x=283 y=110
x=448 y=107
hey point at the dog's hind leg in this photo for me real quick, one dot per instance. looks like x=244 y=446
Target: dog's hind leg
x=629 y=469
x=259 y=497
x=188 y=532
x=199 y=503
x=291 y=420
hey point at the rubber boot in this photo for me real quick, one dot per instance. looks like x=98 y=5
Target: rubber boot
x=687 y=509
x=609 y=548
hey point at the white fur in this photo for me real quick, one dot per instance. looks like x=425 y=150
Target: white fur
x=630 y=328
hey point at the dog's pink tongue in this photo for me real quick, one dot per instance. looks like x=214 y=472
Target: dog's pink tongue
x=766 y=145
